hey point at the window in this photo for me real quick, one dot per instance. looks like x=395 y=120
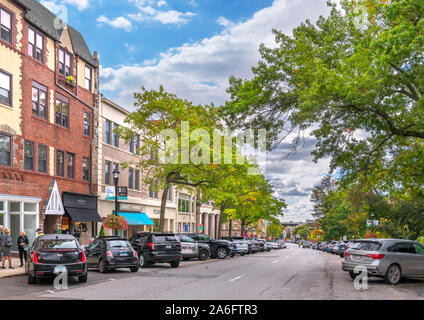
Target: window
x=28 y=155
x=116 y=166
x=42 y=159
x=107 y=172
x=402 y=247
x=39 y=100
x=170 y=193
x=35 y=45
x=60 y=163
x=115 y=135
x=137 y=144
x=131 y=144
x=137 y=180
x=70 y=165
x=64 y=63
x=107 y=131
x=366 y=246
x=130 y=178
x=6 y=25
x=184 y=203
x=153 y=194
x=418 y=248
x=87 y=124
x=87 y=75
x=62 y=113
x=5 y=88
x=5 y=150
x=85 y=169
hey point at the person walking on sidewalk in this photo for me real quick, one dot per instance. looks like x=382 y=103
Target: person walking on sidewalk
x=23 y=243
x=6 y=242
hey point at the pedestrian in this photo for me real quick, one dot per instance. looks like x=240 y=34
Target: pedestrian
x=39 y=232
x=7 y=244
x=1 y=247
x=23 y=244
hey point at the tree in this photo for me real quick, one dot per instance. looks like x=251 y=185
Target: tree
x=274 y=228
x=320 y=192
x=303 y=231
x=357 y=86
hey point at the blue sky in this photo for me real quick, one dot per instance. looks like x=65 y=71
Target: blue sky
x=192 y=47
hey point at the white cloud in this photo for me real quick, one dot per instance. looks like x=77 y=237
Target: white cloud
x=224 y=22
x=120 y=22
x=149 y=10
x=80 y=4
x=55 y=5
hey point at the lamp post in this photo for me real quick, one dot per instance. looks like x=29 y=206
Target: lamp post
x=372 y=223
x=115 y=180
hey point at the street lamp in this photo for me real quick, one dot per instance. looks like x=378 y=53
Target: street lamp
x=372 y=223
x=115 y=180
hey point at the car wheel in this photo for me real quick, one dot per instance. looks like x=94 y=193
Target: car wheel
x=142 y=261
x=83 y=278
x=203 y=255
x=242 y=254
x=186 y=259
x=175 y=264
x=134 y=269
x=221 y=253
x=102 y=268
x=31 y=279
x=393 y=275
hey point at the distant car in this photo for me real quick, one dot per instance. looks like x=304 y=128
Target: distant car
x=238 y=245
x=391 y=259
x=342 y=246
x=261 y=245
x=54 y=254
x=157 y=247
x=268 y=246
x=253 y=246
x=306 y=244
x=275 y=245
x=111 y=253
x=189 y=247
x=219 y=248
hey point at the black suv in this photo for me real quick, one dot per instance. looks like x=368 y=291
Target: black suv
x=219 y=248
x=157 y=247
x=110 y=253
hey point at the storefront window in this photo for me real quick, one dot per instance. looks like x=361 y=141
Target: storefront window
x=30 y=207
x=1 y=205
x=15 y=207
x=30 y=225
x=15 y=228
x=1 y=219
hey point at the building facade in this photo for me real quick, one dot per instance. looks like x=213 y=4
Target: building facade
x=48 y=107
x=142 y=206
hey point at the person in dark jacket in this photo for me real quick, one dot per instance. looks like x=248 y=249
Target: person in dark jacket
x=23 y=244
x=7 y=244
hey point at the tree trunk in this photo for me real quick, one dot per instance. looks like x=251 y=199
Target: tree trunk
x=198 y=204
x=162 y=208
x=220 y=220
x=242 y=228
x=230 y=227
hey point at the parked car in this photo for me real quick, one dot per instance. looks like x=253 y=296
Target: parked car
x=189 y=247
x=157 y=247
x=342 y=246
x=253 y=246
x=268 y=246
x=54 y=254
x=239 y=245
x=275 y=245
x=261 y=245
x=391 y=259
x=219 y=248
x=306 y=244
x=204 y=251
x=110 y=253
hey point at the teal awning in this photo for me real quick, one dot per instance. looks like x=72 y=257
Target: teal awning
x=137 y=219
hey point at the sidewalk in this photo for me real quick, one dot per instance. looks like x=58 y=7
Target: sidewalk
x=12 y=272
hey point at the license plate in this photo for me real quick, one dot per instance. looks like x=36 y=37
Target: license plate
x=59 y=269
x=168 y=247
x=123 y=254
x=358 y=257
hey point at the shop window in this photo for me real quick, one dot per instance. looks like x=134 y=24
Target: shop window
x=1 y=206
x=30 y=207
x=30 y=225
x=14 y=206
x=15 y=228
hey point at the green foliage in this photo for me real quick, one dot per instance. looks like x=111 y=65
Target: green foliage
x=102 y=231
x=303 y=231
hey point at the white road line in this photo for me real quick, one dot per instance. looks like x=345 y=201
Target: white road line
x=274 y=261
x=237 y=278
x=111 y=279
x=50 y=291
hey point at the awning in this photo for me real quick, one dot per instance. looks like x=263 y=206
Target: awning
x=137 y=219
x=83 y=215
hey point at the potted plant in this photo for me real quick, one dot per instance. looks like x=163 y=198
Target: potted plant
x=115 y=223
x=70 y=80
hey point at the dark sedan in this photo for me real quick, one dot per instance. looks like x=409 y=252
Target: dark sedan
x=55 y=254
x=111 y=253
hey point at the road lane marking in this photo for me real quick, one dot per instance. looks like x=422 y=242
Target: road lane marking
x=274 y=261
x=50 y=291
x=237 y=278
x=111 y=279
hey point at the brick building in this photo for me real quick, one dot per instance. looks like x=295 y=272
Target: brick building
x=48 y=128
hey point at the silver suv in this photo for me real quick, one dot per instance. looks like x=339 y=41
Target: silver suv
x=391 y=259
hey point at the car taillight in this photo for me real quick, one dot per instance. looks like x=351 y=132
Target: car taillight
x=152 y=246
x=135 y=253
x=109 y=253
x=35 y=258
x=375 y=256
x=346 y=254
x=82 y=257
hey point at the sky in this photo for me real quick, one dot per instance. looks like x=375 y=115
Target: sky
x=192 y=47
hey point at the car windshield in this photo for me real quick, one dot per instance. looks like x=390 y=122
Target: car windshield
x=119 y=244
x=164 y=238
x=58 y=244
x=366 y=246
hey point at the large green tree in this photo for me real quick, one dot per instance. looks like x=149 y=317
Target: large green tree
x=357 y=84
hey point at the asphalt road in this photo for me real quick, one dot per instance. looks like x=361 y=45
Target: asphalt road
x=293 y=273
